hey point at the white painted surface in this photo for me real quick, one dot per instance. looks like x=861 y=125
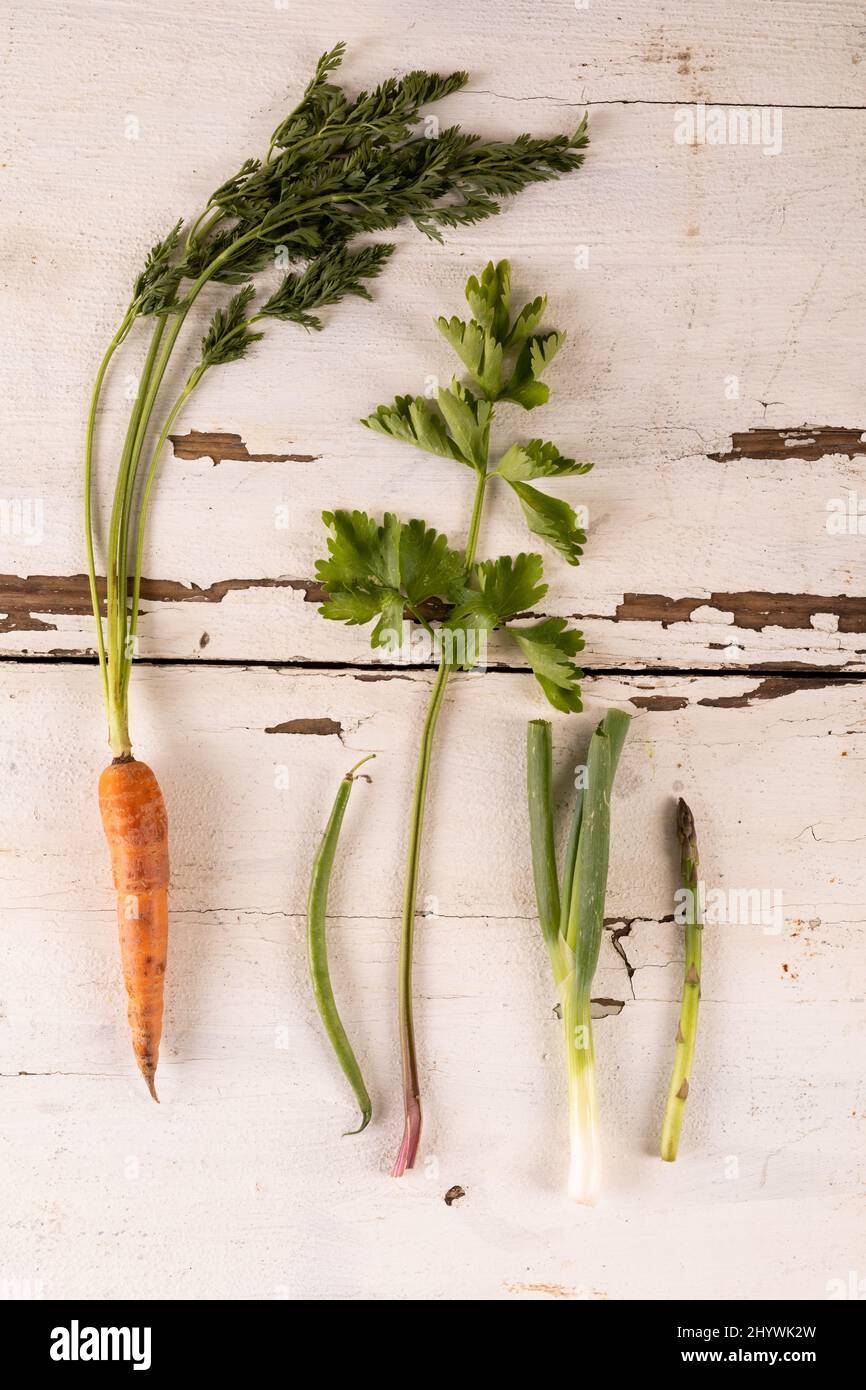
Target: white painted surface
x=703 y=264
x=240 y=1185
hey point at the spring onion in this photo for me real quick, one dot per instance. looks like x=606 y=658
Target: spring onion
x=571 y=917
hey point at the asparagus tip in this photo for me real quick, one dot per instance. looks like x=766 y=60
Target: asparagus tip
x=685 y=821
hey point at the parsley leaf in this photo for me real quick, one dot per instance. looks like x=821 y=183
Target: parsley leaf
x=527 y=320
x=536 y=459
x=526 y=387
x=414 y=420
x=500 y=589
x=468 y=419
x=488 y=298
x=549 y=647
x=553 y=520
x=379 y=571
x=478 y=349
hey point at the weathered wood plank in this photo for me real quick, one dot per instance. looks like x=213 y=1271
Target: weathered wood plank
x=712 y=541
x=253 y=1103
x=250 y=56
x=715 y=301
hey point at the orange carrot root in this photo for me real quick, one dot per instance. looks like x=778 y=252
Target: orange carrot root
x=136 y=828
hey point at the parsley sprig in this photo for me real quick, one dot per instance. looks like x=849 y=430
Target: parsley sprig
x=392 y=572
x=337 y=166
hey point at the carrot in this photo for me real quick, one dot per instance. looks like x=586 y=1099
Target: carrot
x=136 y=828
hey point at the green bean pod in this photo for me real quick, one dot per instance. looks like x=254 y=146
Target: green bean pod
x=317 y=949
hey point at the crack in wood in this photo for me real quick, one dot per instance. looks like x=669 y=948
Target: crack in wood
x=219 y=446
x=616 y=935
x=799 y=443
x=374 y=676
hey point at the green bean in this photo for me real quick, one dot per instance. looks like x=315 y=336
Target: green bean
x=317 y=948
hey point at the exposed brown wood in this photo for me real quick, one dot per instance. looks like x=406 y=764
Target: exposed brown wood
x=751 y=609
x=603 y=1008
x=799 y=443
x=659 y=702
x=21 y=598
x=219 y=445
x=307 y=726
x=771 y=688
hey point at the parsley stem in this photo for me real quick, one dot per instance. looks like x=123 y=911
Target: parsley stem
x=420 y=619
x=475 y=520
x=408 y=1055
x=411 y=1090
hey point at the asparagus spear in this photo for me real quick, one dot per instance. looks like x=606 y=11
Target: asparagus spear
x=687 y=1028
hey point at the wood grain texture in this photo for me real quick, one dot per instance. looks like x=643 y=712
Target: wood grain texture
x=253 y=1101
x=715 y=298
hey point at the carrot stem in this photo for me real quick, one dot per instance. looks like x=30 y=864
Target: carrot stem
x=192 y=381
x=120 y=335
x=126 y=493
x=116 y=571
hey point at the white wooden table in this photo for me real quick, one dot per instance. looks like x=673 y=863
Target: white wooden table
x=715 y=299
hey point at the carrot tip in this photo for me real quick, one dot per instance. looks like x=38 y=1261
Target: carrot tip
x=149 y=1082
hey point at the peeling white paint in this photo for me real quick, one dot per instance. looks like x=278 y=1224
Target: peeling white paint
x=707 y=268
